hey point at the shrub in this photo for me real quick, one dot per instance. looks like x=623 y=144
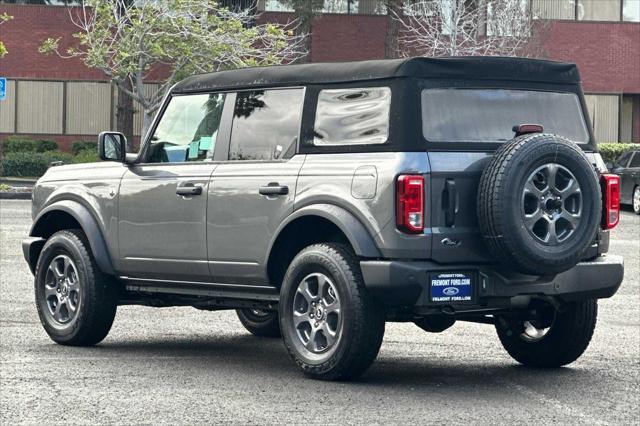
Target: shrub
x=611 y=151
x=79 y=146
x=19 y=143
x=31 y=163
x=86 y=156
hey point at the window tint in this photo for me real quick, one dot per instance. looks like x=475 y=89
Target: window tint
x=488 y=115
x=266 y=124
x=635 y=161
x=188 y=129
x=352 y=116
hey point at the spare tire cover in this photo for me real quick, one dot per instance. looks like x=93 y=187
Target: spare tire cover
x=539 y=204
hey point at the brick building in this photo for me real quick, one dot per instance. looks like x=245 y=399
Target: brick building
x=51 y=98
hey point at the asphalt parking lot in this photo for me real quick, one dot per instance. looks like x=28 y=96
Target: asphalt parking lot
x=184 y=366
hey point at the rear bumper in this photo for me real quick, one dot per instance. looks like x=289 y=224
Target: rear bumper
x=406 y=284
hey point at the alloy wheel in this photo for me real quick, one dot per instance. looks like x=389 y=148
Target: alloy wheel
x=62 y=290
x=317 y=315
x=551 y=204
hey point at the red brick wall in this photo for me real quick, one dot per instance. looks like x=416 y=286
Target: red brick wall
x=22 y=36
x=30 y=26
x=607 y=54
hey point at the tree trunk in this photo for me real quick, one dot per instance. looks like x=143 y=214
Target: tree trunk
x=146 y=122
x=124 y=115
x=394 y=10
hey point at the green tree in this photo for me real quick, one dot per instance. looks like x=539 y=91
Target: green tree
x=306 y=11
x=128 y=40
x=4 y=18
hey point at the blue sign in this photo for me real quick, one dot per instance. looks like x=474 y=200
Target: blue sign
x=3 y=88
x=451 y=288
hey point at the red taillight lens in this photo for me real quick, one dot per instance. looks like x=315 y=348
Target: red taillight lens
x=410 y=203
x=610 y=200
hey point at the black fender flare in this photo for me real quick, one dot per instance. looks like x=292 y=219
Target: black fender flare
x=89 y=226
x=358 y=236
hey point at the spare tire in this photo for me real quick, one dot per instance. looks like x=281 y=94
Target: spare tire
x=539 y=204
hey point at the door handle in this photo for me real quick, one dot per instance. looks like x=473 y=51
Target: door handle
x=274 y=188
x=189 y=189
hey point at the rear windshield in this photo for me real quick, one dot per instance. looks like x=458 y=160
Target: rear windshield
x=488 y=115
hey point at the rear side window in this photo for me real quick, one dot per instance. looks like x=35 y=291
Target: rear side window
x=266 y=124
x=352 y=116
x=488 y=115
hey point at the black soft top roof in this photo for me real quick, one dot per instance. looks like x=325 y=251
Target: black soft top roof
x=470 y=67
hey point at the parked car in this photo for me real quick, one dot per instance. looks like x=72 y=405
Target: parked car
x=628 y=168
x=322 y=200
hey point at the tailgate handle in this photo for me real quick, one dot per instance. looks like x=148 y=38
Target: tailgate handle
x=450 y=202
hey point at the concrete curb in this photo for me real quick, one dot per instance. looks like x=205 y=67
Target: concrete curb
x=15 y=195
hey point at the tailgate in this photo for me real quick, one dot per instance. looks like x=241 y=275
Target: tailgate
x=454 y=224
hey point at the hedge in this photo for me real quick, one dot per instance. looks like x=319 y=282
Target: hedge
x=30 y=163
x=611 y=151
x=79 y=146
x=86 y=156
x=23 y=144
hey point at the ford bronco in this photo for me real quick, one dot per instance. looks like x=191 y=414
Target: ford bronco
x=322 y=200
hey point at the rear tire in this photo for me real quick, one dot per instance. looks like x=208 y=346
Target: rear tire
x=331 y=326
x=565 y=340
x=76 y=302
x=260 y=323
x=636 y=200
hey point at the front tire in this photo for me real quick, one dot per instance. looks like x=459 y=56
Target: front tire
x=556 y=341
x=76 y=302
x=259 y=322
x=331 y=326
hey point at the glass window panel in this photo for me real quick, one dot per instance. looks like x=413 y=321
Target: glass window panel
x=352 y=116
x=635 y=161
x=266 y=124
x=488 y=115
x=631 y=10
x=188 y=129
x=553 y=9
x=599 y=10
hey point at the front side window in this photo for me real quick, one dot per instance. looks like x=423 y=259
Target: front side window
x=266 y=124
x=488 y=115
x=635 y=161
x=188 y=129
x=352 y=116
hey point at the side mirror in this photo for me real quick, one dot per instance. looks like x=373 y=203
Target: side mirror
x=609 y=165
x=112 y=146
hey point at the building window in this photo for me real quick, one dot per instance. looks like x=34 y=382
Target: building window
x=630 y=119
x=587 y=10
x=604 y=114
x=598 y=10
x=361 y=7
x=631 y=10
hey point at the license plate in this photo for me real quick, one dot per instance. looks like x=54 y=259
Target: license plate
x=451 y=287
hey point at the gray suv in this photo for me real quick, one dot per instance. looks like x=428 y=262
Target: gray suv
x=322 y=200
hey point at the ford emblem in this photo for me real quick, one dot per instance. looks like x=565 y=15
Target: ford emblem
x=450 y=291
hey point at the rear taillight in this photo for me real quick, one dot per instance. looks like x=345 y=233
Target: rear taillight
x=610 y=200
x=410 y=203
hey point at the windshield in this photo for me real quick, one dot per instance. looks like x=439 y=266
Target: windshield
x=488 y=115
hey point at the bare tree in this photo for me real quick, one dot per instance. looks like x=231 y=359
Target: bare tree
x=465 y=28
x=129 y=40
